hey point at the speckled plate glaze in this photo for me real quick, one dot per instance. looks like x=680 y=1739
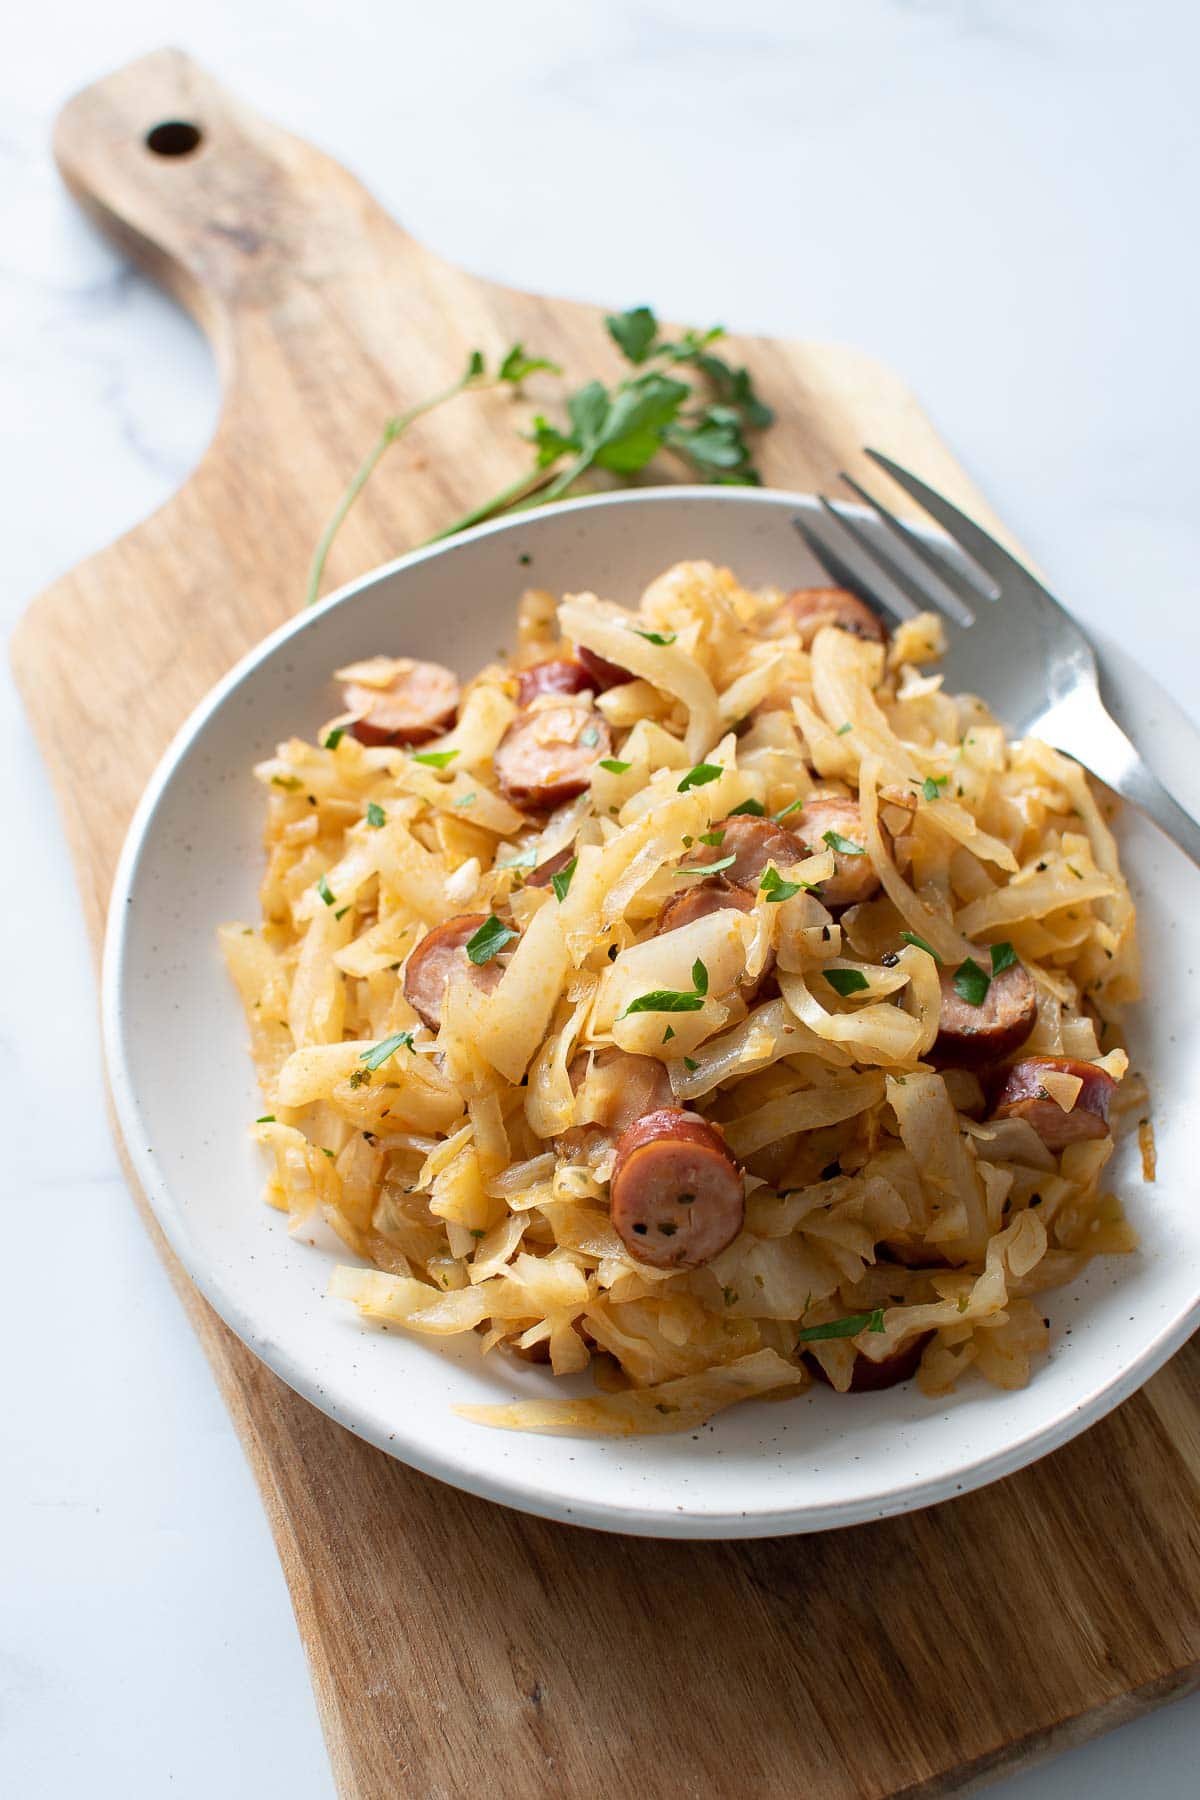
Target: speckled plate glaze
x=185 y=1090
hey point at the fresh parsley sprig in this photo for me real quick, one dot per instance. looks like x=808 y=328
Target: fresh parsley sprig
x=681 y=399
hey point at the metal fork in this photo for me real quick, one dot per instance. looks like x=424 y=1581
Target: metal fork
x=1010 y=640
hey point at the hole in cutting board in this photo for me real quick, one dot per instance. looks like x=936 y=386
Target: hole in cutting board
x=174 y=137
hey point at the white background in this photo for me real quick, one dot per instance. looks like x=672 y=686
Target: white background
x=997 y=196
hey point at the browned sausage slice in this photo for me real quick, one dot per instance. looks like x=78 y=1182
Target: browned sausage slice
x=604 y=674
x=410 y=702
x=812 y=608
x=854 y=879
x=1024 y=1096
x=547 y=757
x=970 y=1037
x=697 y=902
x=678 y=1196
x=870 y=1377
x=440 y=955
x=752 y=843
x=559 y=676
x=553 y=865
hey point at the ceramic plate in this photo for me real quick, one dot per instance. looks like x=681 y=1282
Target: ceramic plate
x=185 y=1089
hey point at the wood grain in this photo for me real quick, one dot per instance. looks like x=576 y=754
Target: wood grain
x=456 y=1646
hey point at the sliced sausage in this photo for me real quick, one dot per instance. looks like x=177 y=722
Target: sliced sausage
x=603 y=674
x=713 y=895
x=854 y=879
x=559 y=676
x=398 y=701
x=440 y=955
x=970 y=1037
x=1024 y=1096
x=547 y=757
x=553 y=865
x=870 y=1377
x=813 y=608
x=678 y=1196
x=752 y=843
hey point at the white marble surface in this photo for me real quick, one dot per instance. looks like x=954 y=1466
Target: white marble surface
x=995 y=196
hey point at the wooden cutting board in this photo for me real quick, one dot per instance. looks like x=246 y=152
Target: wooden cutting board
x=457 y=1647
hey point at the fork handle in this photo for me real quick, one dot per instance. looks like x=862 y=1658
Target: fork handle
x=1084 y=728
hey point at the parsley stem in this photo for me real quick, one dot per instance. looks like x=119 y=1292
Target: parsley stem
x=394 y=429
x=558 y=487
x=525 y=487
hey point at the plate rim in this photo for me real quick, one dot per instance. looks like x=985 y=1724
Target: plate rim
x=505 y=1487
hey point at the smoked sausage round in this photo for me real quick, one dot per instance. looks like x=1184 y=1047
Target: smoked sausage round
x=678 y=1196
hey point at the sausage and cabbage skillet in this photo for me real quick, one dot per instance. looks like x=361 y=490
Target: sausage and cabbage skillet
x=705 y=998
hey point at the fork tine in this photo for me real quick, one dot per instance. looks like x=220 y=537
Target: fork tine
x=868 y=543
x=991 y=557
x=942 y=571
x=844 y=575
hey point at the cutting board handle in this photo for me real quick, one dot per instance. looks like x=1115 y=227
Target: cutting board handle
x=229 y=212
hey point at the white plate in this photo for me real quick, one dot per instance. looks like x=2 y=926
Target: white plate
x=185 y=1090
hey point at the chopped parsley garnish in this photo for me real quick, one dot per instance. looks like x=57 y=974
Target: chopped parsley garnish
x=712 y=868
x=326 y=893
x=375 y=815
x=525 y=859
x=971 y=983
x=671 y=999
x=435 y=759
x=329 y=1153
x=489 y=940
x=291 y=782
x=265 y=1119
x=379 y=1053
x=791 y=807
x=850 y=1326
x=754 y=808
x=668 y=1034
x=843 y=729
x=715 y=838
x=341 y=912
x=661 y=638
x=846 y=981
x=561 y=882
x=465 y=799
x=918 y=943
x=614 y=765
x=590 y=737
x=775 y=887
x=700 y=776
x=932 y=784
x=841 y=845
x=335 y=737
x=1003 y=957
x=690 y=1064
